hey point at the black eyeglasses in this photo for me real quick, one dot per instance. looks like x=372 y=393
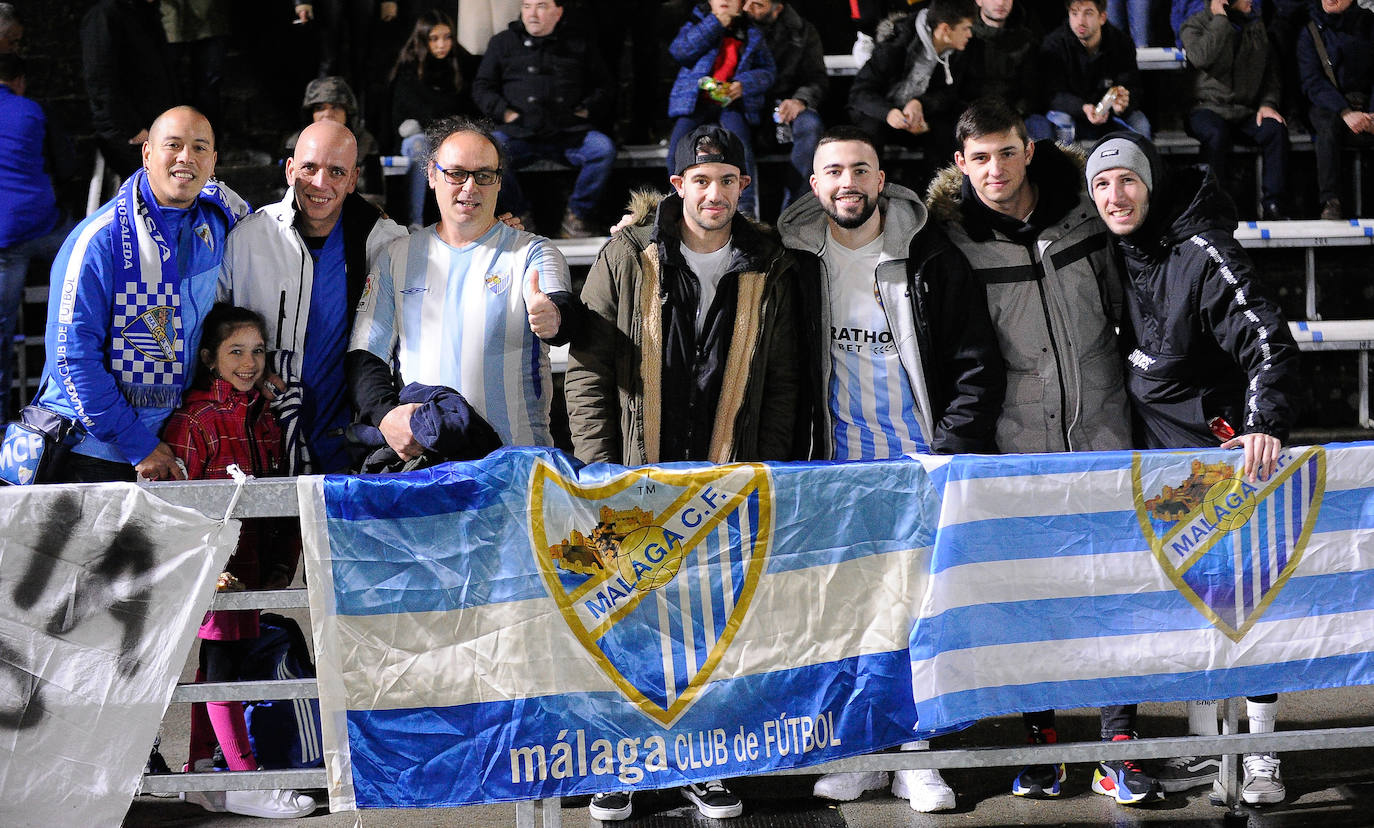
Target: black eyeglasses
x=458 y=176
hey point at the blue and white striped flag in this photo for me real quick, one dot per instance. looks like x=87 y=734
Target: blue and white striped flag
x=520 y=628
x=1080 y=580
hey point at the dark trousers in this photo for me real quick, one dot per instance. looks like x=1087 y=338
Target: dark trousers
x=1117 y=720
x=1216 y=135
x=81 y=468
x=1329 y=134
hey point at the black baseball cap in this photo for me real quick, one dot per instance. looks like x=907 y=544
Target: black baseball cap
x=708 y=144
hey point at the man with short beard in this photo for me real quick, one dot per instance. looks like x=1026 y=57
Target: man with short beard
x=903 y=356
x=690 y=351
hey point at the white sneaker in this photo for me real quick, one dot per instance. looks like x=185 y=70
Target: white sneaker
x=926 y=790
x=1263 y=783
x=847 y=787
x=212 y=801
x=279 y=804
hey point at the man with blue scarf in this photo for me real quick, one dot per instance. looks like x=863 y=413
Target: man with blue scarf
x=130 y=289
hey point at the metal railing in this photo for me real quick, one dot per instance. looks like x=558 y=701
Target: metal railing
x=277 y=498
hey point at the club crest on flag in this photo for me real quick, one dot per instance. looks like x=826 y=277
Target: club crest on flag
x=1228 y=545
x=654 y=571
x=151 y=334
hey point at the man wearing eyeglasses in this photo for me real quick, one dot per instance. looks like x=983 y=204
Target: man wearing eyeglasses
x=469 y=303
x=302 y=263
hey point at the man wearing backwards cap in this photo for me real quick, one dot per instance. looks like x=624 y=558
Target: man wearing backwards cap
x=705 y=300
x=1211 y=359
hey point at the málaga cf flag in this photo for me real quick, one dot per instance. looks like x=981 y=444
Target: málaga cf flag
x=1077 y=580
x=519 y=627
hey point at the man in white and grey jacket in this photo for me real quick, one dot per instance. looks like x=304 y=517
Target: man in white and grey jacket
x=302 y=263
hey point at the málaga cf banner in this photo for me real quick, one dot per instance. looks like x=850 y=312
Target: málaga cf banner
x=519 y=628
x=523 y=627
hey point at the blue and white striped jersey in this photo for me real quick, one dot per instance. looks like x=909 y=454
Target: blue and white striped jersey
x=456 y=316
x=872 y=408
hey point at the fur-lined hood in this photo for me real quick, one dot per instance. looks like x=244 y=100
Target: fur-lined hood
x=1056 y=169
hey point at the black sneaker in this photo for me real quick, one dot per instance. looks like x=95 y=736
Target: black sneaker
x=611 y=806
x=1184 y=772
x=1272 y=211
x=1125 y=781
x=713 y=799
x=1040 y=781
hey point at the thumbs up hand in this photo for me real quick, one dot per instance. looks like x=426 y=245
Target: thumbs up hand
x=544 y=316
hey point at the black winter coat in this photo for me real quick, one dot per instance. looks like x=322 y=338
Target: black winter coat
x=1201 y=325
x=434 y=96
x=798 y=60
x=1072 y=77
x=544 y=79
x=128 y=74
x=1003 y=62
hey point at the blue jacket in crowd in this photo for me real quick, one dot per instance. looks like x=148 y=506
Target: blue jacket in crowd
x=695 y=48
x=1349 y=39
x=30 y=205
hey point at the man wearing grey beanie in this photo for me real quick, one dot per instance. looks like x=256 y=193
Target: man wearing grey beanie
x=1210 y=358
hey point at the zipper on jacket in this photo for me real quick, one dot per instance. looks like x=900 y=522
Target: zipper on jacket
x=1058 y=363
x=281 y=320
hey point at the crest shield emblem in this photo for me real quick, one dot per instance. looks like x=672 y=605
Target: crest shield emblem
x=654 y=571
x=151 y=334
x=1228 y=545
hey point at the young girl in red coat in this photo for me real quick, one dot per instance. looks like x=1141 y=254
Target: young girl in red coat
x=224 y=420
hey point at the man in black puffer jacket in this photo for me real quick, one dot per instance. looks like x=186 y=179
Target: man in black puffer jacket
x=1213 y=359
x=1202 y=325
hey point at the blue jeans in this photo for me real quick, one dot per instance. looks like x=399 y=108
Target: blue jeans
x=592 y=152
x=1085 y=130
x=415 y=149
x=1038 y=127
x=1131 y=16
x=807 y=129
x=733 y=122
x=14 y=266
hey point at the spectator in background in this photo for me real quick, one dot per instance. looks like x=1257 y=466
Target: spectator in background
x=1091 y=74
x=129 y=78
x=1236 y=90
x=302 y=263
x=481 y=20
x=1132 y=16
x=545 y=86
x=344 y=33
x=799 y=86
x=129 y=327
x=31 y=224
x=198 y=35
x=722 y=44
x=1002 y=62
x=912 y=90
x=431 y=80
x=1336 y=67
x=332 y=99
x=11 y=30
